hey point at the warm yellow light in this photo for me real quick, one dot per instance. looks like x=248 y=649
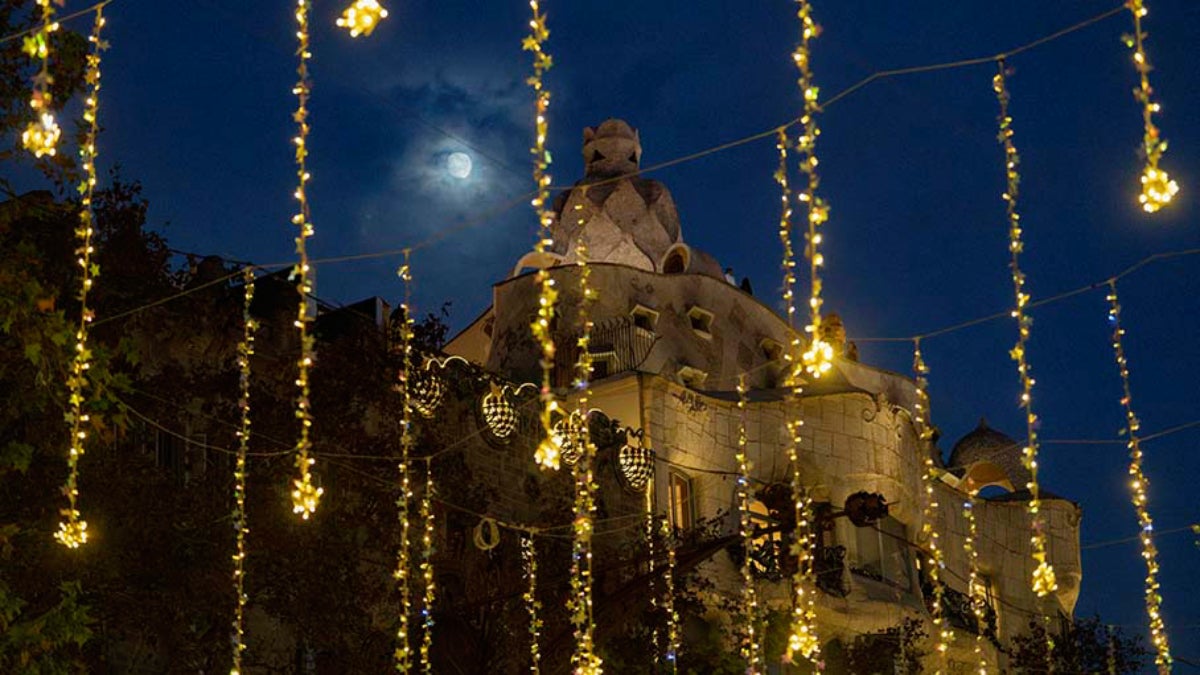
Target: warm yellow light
x=819 y=357
x=533 y=606
x=1138 y=486
x=72 y=530
x=547 y=455
x=306 y=496
x=1043 y=580
x=402 y=655
x=362 y=16
x=751 y=649
x=1157 y=187
x=245 y=351
x=943 y=635
x=42 y=134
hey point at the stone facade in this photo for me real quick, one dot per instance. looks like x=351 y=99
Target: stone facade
x=673 y=335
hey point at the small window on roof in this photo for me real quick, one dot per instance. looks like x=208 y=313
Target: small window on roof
x=644 y=317
x=701 y=320
x=771 y=349
x=674 y=263
x=692 y=377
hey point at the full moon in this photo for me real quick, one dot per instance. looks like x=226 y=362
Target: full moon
x=458 y=164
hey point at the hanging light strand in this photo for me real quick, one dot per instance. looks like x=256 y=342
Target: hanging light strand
x=668 y=601
x=549 y=450
x=584 y=660
x=72 y=530
x=1157 y=187
x=751 y=649
x=245 y=351
x=402 y=656
x=785 y=232
x=804 y=638
x=1138 y=484
x=305 y=495
x=532 y=606
x=429 y=587
x=943 y=634
x=975 y=583
x=1043 y=581
x=42 y=134
x=651 y=533
x=818 y=359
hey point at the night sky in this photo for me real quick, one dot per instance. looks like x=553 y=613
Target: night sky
x=197 y=106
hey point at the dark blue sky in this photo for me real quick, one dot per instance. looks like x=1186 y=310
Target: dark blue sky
x=197 y=106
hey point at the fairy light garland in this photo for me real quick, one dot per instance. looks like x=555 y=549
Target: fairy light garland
x=751 y=649
x=361 y=17
x=975 y=588
x=1157 y=187
x=42 y=134
x=1043 y=580
x=305 y=495
x=245 y=350
x=429 y=587
x=402 y=656
x=584 y=659
x=818 y=359
x=669 y=598
x=785 y=230
x=1138 y=484
x=72 y=530
x=803 y=638
x=532 y=606
x=942 y=632
x=651 y=532
x=548 y=451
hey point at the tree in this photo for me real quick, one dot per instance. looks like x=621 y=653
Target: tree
x=1087 y=646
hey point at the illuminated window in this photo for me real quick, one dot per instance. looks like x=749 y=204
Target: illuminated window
x=682 y=498
x=882 y=553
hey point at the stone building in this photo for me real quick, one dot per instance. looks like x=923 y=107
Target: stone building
x=671 y=336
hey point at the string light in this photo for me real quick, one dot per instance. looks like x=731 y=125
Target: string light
x=547 y=454
x=72 y=530
x=362 y=16
x=429 y=587
x=1043 y=581
x=751 y=650
x=975 y=587
x=803 y=638
x=651 y=532
x=1138 y=484
x=41 y=135
x=943 y=633
x=245 y=350
x=785 y=232
x=305 y=495
x=669 y=599
x=532 y=606
x=585 y=659
x=1157 y=187
x=402 y=656
x=818 y=359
